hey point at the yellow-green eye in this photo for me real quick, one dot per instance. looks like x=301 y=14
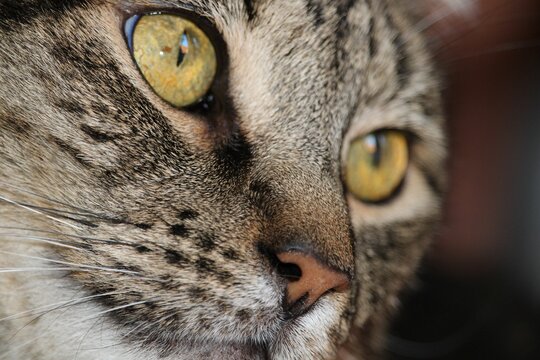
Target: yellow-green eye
x=175 y=57
x=376 y=165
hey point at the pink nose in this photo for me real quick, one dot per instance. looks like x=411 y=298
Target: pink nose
x=312 y=281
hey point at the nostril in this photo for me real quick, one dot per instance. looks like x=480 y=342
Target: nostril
x=291 y=272
x=287 y=270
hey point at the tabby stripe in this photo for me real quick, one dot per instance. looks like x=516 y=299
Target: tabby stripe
x=344 y=6
x=15 y=124
x=250 y=10
x=17 y=13
x=342 y=31
x=315 y=9
x=401 y=56
x=75 y=153
x=342 y=11
x=97 y=135
x=373 y=46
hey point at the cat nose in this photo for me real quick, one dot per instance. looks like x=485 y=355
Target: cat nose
x=308 y=280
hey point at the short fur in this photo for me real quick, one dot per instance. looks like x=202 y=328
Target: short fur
x=139 y=227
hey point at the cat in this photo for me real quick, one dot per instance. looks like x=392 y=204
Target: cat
x=271 y=207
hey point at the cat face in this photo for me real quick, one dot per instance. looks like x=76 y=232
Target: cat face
x=173 y=222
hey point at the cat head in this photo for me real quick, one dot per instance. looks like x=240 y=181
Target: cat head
x=202 y=229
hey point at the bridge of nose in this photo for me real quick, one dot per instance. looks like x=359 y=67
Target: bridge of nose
x=305 y=223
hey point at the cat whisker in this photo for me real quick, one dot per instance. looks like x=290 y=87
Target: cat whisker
x=124 y=335
x=484 y=19
x=24 y=191
x=40 y=240
x=9 y=270
x=79 y=347
x=141 y=326
x=105 y=312
x=121 y=307
x=152 y=328
x=515 y=46
x=77 y=266
x=61 y=211
x=444 y=12
x=55 y=306
x=62 y=214
x=76 y=214
x=2 y=198
x=29 y=342
x=75 y=236
x=39 y=269
x=70 y=325
x=144 y=326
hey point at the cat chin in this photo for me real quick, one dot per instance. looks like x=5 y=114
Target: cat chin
x=312 y=336
x=214 y=352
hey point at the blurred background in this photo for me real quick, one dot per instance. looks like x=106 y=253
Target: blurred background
x=478 y=292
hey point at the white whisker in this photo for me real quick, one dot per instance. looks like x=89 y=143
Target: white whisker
x=79 y=347
x=26 y=343
x=77 y=269
x=82 y=266
x=24 y=191
x=70 y=325
x=107 y=241
x=58 y=305
x=93 y=316
x=520 y=45
x=36 y=269
x=39 y=212
x=39 y=239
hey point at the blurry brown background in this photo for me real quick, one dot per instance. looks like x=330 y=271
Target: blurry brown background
x=479 y=290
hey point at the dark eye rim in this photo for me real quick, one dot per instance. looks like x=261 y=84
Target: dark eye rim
x=411 y=138
x=207 y=103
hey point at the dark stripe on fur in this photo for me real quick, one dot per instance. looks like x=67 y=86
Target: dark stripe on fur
x=315 y=10
x=234 y=155
x=74 y=152
x=401 y=56
x=17 y=13
x=96 y=134
x=250 y=9
x=15 y=124
x=373 y=46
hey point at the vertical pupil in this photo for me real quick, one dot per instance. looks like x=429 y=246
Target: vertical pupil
x=183 y=49
x=373 y=144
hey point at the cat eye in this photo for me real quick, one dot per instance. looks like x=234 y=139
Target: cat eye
x=376 y=165
x=175 y=56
